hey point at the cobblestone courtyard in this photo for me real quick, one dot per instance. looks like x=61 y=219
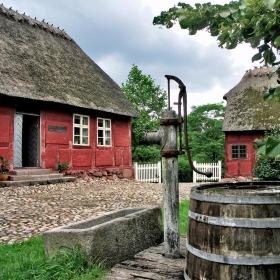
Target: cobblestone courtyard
x=27 y=211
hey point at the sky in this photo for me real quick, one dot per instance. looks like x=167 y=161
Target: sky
x=119 y=33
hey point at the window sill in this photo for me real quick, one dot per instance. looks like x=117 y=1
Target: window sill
x=82 y=146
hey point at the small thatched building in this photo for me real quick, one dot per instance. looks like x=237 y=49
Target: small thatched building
x=56 y=104
x=247 y=117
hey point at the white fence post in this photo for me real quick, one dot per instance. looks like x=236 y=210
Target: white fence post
x=148 y=172
x=136 y=170
x=159 y=172
x=215 y=168
x=220 y=170
x=194 y=173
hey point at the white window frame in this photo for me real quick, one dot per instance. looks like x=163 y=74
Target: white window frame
x=104 y=129
x=81 y=126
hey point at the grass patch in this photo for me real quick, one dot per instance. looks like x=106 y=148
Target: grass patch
x=27 y=261
x=183 y=216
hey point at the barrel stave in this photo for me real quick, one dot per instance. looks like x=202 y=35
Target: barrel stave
x=234 y=232
x=198 y=269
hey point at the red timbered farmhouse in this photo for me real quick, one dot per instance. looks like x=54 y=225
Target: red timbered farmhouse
x=56 y=104
x=247 y=118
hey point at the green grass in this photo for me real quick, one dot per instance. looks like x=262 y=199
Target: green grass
x=183 y=216
x=26 y=261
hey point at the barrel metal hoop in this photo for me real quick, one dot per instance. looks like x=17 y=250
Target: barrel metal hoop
x=254 y=260
x=236 y=222
x=236 y=199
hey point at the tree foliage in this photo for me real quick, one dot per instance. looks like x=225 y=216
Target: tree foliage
x=269 y=146
x=268 y=156
x=148 y=98
x=205 y=132
x=256 y=22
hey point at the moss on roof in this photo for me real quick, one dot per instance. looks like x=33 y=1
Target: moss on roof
x=246 y=109
x=41 y=62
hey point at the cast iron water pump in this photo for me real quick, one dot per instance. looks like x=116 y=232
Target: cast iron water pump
x=173 y=127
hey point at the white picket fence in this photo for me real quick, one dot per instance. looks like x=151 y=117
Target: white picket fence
x=215 y=168
x=148 y=172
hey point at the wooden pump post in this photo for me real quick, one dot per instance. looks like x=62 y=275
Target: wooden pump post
x=167 y=137
x=169 y=152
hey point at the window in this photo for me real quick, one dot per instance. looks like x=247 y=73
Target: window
x=104 y=132
x=238 y=151
x=81 y=130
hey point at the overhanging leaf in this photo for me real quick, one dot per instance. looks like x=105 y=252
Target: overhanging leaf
x=256 y=57
x=273 y=147
x=277 y=42
x=269 y=56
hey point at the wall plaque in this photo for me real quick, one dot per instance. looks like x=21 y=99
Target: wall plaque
x=58 y=129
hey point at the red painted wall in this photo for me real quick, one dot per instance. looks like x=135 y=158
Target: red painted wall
x=6 y=132
x=58 y=146
x=241 y=167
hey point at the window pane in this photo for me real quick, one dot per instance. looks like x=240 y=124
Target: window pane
x=107 y=123
x=100 y=141
x=85 y=120
x=108 y=134
x=243 y=151
x=85 y=131
x=234 y=152
x=77 y=131
x=100 y=133
x=85 y=140
x=77 y=119
x=77 y=140
x=100 y=122
x=108 y=141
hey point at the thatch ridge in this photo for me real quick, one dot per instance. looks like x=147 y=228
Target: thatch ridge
x=23 y=18
x=40 y=62
x=246 y=108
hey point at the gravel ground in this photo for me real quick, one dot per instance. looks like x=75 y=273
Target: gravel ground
x=27 y=211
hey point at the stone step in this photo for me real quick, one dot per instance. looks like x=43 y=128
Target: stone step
x=34 y=177
x=31 y=171
x=63 y=179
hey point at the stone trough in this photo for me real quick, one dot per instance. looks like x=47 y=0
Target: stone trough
x=111 y=238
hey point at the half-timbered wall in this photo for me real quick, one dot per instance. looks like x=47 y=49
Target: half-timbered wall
x=56 y=141
x=57 y=146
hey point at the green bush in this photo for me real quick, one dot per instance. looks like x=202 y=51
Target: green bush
x=185 y=171
x=62 y=166
x=267 y=169
x=146 y=154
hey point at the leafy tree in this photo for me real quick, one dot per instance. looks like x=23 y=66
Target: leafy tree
x=268 y=156
x=256 y=22
x=150 y=100
x=205 y=132
x=269 y=146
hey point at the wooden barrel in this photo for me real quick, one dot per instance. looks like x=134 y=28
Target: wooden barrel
x=234 y=232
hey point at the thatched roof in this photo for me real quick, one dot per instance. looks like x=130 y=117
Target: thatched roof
x=246 y=109
x=41 y=62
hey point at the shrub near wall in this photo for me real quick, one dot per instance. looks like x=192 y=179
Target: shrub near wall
x=267 y=169
x=146 y=154
x=185 y=171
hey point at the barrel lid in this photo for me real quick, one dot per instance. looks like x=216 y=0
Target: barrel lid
x=265 y=192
